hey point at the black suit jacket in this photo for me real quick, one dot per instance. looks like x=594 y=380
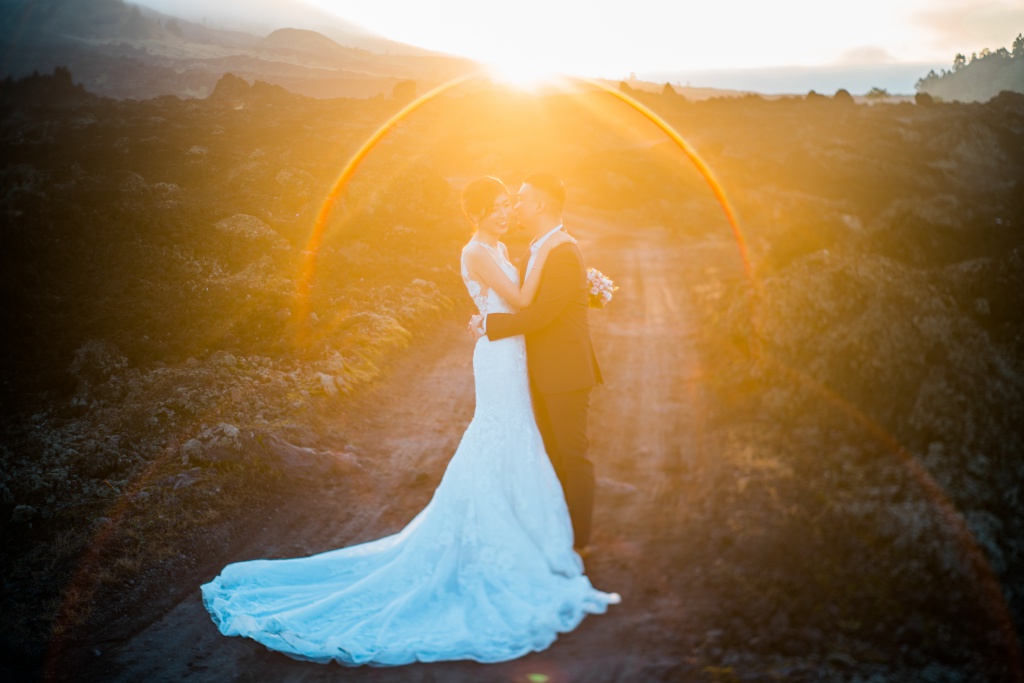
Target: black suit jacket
x=559 y=351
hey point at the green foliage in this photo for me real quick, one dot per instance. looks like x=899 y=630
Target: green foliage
x=979 y=78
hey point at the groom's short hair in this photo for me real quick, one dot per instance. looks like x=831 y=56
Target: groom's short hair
x=550 y=185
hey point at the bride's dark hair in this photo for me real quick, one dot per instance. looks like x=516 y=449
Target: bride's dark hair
x=479 y=195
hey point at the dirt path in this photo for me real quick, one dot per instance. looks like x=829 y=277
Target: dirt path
x=645 y=430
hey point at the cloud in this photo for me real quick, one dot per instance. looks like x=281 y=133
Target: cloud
x=969 y=25
x=867 y=54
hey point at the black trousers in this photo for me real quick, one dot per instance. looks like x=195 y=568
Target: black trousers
x=562 y=420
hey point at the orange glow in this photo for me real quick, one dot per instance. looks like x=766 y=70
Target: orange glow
x=696 y=160
x=327 y=208
x=531 y=77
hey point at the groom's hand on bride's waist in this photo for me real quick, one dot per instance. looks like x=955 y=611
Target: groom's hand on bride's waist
x=478 y=326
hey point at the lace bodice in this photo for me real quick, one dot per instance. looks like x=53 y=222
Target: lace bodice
x=486 y=299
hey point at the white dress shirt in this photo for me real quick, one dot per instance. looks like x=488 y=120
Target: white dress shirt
x=535 y=247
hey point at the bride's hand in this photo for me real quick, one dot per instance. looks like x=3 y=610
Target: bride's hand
x=557 y=240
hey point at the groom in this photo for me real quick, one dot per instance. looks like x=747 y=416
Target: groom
x=560 y=355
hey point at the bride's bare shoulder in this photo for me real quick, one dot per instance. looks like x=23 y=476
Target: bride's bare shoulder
x=472 y=250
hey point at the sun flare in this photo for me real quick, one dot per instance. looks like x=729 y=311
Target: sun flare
x=521 y=74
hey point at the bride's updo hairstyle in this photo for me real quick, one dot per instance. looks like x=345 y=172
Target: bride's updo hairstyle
x=479 y=195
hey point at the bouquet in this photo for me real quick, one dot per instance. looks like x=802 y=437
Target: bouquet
x=600 y=286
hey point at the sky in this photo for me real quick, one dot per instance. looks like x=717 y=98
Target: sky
x=805 y=39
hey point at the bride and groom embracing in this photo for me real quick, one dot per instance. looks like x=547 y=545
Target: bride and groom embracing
x=488 y=569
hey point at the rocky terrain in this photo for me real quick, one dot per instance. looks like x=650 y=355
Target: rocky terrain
x=853 y=506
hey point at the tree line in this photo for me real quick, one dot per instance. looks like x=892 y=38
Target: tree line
x=979 y=77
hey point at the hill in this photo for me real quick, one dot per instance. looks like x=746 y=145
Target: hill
x=119 y=50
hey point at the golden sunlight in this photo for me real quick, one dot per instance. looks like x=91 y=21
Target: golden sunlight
x=521 y=74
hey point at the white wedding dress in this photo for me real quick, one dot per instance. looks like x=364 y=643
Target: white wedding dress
x=486 y=571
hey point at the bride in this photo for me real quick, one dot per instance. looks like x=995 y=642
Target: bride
x=486 y=571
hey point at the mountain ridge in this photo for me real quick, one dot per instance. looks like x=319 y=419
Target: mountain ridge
x=123 y=51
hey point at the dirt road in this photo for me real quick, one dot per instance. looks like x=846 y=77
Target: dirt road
x=645 y=430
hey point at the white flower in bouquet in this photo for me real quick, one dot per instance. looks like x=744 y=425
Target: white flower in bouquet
x=601 y=288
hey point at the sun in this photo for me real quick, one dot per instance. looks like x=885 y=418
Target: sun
x=522 y=74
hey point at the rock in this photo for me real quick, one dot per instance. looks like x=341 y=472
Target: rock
x=191 y=449
x=304 y=459
x=251 y=228
x=912 y=632
x=812 y=636
x=224 y=359
x=222 y=443
x=96 y=360
x=779 y=622
x=231 y=91
x=186 y=479
x=614 y=487
x=224 y=435
x=988 y=531
x=327 y=383
x=23 y=514
x=133 y=185
x=295 y=180
x=794 y=647
x=841 y=659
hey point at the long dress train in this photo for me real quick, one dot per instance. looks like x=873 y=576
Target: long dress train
x=486 y=571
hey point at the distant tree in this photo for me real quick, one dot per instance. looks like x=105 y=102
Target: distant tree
x=922 y=83
x=843 y=95
x=668 y=90
x=814 y=96
x=877 y=93
x=978 y=78
x=404 y=91
x=923 y=99
x=624 y=88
